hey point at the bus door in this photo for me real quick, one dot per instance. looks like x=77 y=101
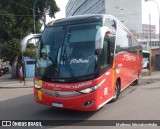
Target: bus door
x=107 y=57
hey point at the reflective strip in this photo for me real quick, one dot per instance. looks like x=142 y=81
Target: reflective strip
x=113 y=85
x=105 y=102
x=40 y=95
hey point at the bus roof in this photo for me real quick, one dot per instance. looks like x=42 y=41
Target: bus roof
x=80 y=18
x=86 y=18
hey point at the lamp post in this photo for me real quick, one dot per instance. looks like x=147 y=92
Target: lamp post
x=34 y=16
x=159 y=16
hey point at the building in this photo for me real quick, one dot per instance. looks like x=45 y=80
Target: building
x=79 y=7
x=127 y=11
x=144 y=37
x=146 y=29
x=124 y=11
x=146 y=43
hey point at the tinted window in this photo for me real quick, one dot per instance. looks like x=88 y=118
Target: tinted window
x=123 y=40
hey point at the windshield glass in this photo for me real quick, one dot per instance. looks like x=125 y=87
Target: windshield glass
x=67 y=52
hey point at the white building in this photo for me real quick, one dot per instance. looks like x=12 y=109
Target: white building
x=146 y=30
x=146 y=43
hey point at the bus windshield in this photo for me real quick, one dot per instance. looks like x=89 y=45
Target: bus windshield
x=67 y=52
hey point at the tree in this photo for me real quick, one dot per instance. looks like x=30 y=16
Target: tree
x=30 y=50
x=17 y=21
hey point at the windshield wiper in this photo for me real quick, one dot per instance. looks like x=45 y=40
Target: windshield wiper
x=50 y=58
x=65 y=59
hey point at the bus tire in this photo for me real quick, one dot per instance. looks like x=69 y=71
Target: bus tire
x=116 y=92
x=135 y=83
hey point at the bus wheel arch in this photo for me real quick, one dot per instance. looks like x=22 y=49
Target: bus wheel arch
x=117 y=90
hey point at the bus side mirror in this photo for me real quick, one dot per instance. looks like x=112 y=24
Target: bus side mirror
x=100 y=36
x=26 y=39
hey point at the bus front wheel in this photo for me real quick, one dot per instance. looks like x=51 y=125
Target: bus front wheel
x=116 y=92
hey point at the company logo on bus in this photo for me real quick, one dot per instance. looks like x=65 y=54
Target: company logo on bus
x=129 y=58
x=78 y=61
x=56 y=94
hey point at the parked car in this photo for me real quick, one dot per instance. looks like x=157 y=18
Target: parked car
x=3 y=71
x=6 y=69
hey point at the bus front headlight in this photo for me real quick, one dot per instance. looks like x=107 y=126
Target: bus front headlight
x=91 y=89
x=38 y=84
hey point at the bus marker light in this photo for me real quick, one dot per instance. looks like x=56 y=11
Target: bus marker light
x=40 y=95
x=117 y=71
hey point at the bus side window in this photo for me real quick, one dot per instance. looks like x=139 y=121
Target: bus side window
x=123 y=43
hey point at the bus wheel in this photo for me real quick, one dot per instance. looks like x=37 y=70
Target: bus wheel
x=116 y=92
x=136 y=81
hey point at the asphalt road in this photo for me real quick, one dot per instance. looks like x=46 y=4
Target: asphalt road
x=135 y=103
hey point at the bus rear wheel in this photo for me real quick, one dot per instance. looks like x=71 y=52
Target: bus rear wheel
x=116 y=92
x=135 y=83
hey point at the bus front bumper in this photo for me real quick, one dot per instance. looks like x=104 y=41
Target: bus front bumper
x=82 y=102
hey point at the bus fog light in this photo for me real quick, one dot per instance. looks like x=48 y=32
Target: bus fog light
x=88 y=103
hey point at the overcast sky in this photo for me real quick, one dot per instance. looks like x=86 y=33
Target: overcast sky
x=148 y=7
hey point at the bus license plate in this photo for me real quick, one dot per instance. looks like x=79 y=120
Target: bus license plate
x=57 y=104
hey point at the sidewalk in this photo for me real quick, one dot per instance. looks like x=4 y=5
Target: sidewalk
x=147 y=79
x=6 y=82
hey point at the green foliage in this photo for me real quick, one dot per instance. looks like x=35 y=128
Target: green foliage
x=16 y=21
x=10 y=49
x=30 y=51
x=50 y=7
x=8 y=21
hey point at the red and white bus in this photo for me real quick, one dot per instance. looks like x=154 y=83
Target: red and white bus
x=89 y=60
